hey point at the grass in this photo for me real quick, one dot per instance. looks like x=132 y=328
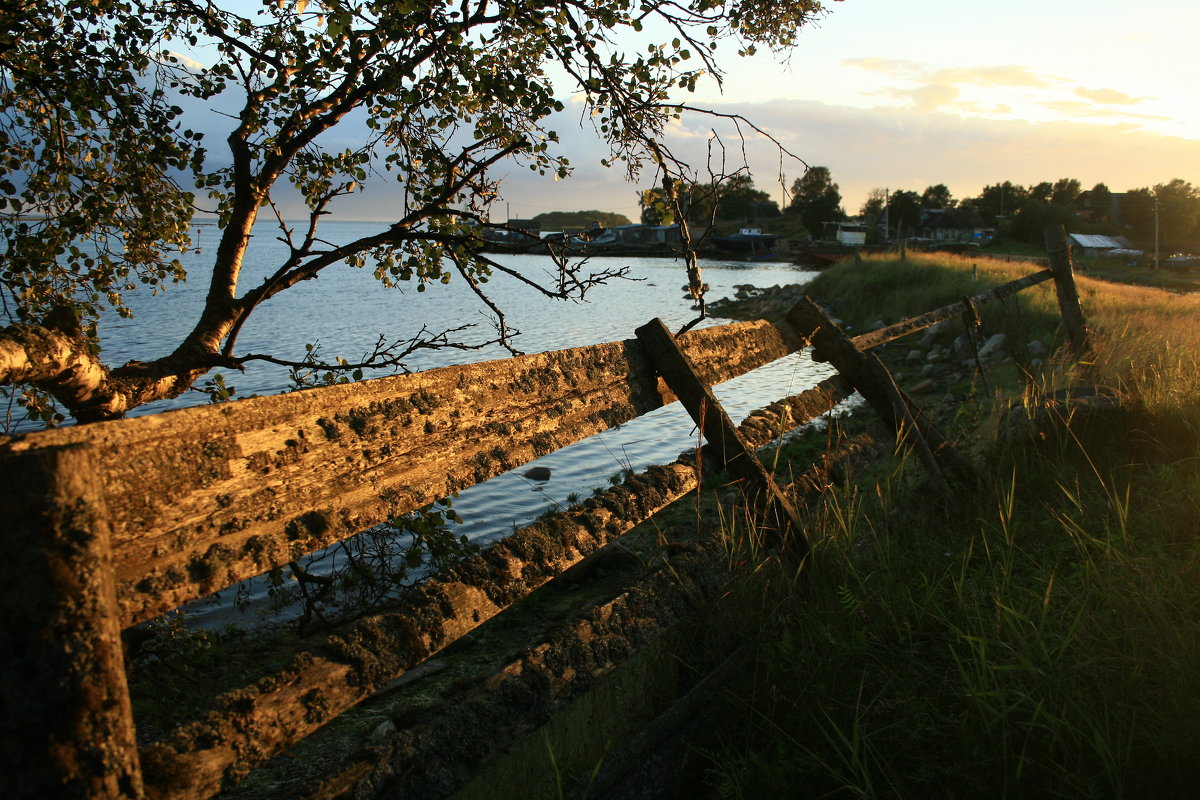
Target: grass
x=1037 y=634
x=1141 y=274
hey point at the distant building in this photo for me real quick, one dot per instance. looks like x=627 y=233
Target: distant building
x=622 y=234
x=515 y=231
x=954 y=225
x=662 y=234
x=1095 y=246
x=530 y=226
x=851 y=233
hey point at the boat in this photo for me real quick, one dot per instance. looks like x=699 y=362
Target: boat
x=748 y=242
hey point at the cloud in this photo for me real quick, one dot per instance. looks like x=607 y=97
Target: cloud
x=888 y=66
x=928 y=88
x=1108 y=96
x=1007 y=75
x=930 y=97
x=864 y=148
x=1003 y=90
x=186 y=61
x=903 y=148
x=1077 y=108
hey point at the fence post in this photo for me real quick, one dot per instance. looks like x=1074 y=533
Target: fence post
x=67 y=722
x=1059 y=250
x=719 y=432
x=873 y=381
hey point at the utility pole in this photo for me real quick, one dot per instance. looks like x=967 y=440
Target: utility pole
x=1156 y=229
x=887 y=201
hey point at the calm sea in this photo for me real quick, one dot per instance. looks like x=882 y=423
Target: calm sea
x=345 y=310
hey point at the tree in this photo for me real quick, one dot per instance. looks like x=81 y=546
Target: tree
x=1065 y=192
x=872 y=208
x=656 y=207
x=998 y=200
x=677 y=201
x=904 y=209
x=736 y=198
x=98 y=150
x=816 y=199
x=937 y=197
x=1098 y=201
x=1031 y=219
x=1137 y=213
x=1178 y=213
x=1041 y=192
x=901 y=207
x=577 y=220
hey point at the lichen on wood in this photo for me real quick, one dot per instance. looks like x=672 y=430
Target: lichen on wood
x=204 y=497
x=351 y=666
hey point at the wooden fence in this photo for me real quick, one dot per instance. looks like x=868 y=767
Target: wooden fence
x=111 y=524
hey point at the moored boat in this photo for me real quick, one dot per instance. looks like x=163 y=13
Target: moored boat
x=748 y=242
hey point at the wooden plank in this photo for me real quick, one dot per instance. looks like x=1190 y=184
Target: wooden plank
x=1059 y=250
x=257 y=722
x=66 y=720
x=765 y=424
x=867 y=341
x=873 y=381
x=442 y=753
x=204 y=497
x=718 y=430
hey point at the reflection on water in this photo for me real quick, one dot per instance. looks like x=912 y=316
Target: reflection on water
x=346 y=310
x=492 y=508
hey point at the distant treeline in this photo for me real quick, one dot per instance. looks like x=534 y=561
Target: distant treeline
x=578 y=220
x=1016 y=211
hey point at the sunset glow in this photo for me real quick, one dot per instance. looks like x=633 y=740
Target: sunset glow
x=904 y=96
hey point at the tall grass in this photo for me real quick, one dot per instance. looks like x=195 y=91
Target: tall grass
x=1037 y=635
x=1147 y=343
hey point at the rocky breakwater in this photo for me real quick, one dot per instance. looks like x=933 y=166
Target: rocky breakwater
x=751 y=302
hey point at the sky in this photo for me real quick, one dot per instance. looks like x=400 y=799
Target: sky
x=906 y=95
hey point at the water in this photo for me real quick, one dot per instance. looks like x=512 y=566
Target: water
x=346 y=310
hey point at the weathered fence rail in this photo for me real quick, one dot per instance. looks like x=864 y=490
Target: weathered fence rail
x=242 y=488
x=113 y=523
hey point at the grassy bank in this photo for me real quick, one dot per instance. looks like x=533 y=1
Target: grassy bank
x=1112 y=270
x=1035 y=635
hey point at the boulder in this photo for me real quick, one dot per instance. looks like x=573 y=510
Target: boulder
x=994 y=344
x=538 y=474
